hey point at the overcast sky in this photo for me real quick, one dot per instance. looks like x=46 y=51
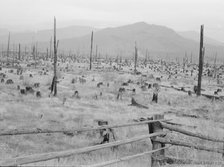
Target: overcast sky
x=177 y=14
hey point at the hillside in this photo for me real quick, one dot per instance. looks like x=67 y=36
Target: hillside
x=193 y=35
x=158 y=40
x=45 y=35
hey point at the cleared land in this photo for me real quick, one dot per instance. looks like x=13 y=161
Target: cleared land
x=18 y=111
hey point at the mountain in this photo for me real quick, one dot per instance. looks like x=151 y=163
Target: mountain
x=45 y=35
x=158 y=40
x=193 y=35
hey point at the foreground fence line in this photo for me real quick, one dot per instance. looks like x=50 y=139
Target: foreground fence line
x=156 y=134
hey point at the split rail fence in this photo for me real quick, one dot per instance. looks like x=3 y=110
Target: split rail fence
x=157 y=134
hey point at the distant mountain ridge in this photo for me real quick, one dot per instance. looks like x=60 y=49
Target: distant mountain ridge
x=193 y=35
x=45 y=35
x=158 y=40
x=120 y=41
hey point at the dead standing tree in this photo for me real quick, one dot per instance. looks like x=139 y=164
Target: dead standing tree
x=96 y=60
x=136 y=57
x=201 y=57
x=51 y=48
x=47 y=55
x=33 y=53
x=24 y=53
x=8 y=49
x=19 y=54
x=215 y=66
x=54 y=82
x=91 y=52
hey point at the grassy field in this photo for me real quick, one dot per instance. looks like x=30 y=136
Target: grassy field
x=66 y=112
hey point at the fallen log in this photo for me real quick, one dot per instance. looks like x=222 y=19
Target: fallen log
x=135 y=103
x=203 y=94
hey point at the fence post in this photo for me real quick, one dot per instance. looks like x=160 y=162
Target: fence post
x=156 y=127
x=223 y=155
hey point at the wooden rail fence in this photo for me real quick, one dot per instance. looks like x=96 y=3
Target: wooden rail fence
x=157 y=134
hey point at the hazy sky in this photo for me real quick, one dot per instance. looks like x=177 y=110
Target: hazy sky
x=176 y=14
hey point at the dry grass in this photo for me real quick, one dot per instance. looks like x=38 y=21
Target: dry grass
x=29 y=112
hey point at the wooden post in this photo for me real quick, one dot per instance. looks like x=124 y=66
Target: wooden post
x=200 y=70
x=153 y=128
x=55 y=59
x=8 y=48
x=91 y=51
x=136 y=57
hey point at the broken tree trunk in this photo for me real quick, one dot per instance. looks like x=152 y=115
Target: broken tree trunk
x=96 y=60
x=54 y=86
x=51 y=49
x=47 y=55
x=33 y=52
x=91 y=52
x=136 y=57
x=13 y=55
x=19 y=54
x=8 y=48
x=24 y=53
x=215 y=66
x=200 y=70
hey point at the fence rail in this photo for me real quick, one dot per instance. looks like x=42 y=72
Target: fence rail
x=40 y=131
x=180 y=130
x=185 y=144
x=127 y=158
